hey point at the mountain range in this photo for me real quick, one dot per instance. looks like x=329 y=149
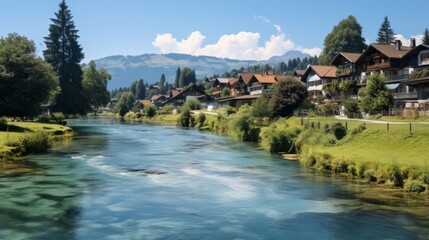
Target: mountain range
x=150 y=67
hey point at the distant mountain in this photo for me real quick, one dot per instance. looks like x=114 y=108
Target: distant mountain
x=288 y=56
x=126 y=69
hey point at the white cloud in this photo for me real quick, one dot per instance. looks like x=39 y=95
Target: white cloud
x=406 y=41
x=263 y=18
x=167 y=44
x=278 y=28
x=242 y=46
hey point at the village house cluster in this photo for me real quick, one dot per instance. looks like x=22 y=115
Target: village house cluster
x=406 y=69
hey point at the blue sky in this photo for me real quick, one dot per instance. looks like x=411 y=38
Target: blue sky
x=241 y=29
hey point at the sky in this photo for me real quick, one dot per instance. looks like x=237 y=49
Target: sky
x=237 y=29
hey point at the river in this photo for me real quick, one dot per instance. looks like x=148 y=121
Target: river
x=134 y=181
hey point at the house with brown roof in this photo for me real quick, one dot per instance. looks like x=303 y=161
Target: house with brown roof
x=158 y=99
x=418 y=62
x=219 y=84
x=231 y=86
x=348 y=69
x=316 y=76
x=259 y=83
x=241 y=87
x=390 y=61
x=179 y=96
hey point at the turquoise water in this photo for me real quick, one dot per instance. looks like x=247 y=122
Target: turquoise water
x=122 y=181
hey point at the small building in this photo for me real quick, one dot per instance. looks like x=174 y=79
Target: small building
x=179 y=96
x=219 y=84
x=348 y=69
x=158 y=99
x=317 y=75
x=260 y=83
x=242 y=84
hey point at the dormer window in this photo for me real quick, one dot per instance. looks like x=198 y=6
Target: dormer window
x=424 y=57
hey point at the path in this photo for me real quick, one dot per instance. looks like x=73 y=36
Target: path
x=381 y=122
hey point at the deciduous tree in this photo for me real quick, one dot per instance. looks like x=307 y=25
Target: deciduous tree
x=94 y=85
x=26 y=81
x=375 y=97
x=287 y=95
x=345 y=37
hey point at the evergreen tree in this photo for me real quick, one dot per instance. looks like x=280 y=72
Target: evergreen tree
x=133 y=88
x=162 y=86
x=385 y=33
x=140 y=90
x=64 y=53
x=345 y=37
x=178 y=74
x=425 y=39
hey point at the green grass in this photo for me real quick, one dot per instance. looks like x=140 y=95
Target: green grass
x=19 y=129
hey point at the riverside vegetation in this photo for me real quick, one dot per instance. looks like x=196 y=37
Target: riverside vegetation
x=390 y=155
x=22 y=138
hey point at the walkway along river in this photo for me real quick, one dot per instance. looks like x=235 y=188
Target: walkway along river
x=124 y=181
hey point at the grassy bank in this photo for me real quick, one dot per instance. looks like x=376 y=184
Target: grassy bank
x=21 y=138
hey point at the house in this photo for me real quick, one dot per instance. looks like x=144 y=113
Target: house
x=142 y=103
x=348 y=69
x=314 y=78
x=241 y=87
x=179 y=96
x=260 y=82
x=231 y=86
x=298 y=73
x=418 y=81
x=219 y=84
x=389 y=61
x=158 y=99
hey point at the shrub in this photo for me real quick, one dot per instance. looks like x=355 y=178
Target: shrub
x=230 y=110
x=193 y=104
x=201 y=119
x=369 y=175
x=167 y=109
x=279 y=137
x=351 y=107
x=36 y=142
x=3 y=124
x=338 y=130
x=44 y=118
x=414 y=186
x=150 y=110
x=58 y=116
x=185 y=116
x=396 y=176
x=240 y=125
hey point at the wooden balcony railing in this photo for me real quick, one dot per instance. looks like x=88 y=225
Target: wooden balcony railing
x=401 y=95
x=398 y=78
x=343 y=72
x=378 y=66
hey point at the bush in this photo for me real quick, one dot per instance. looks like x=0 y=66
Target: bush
x=370 y=175
x=201 y=119
x=150 y=110
x=167 y=109
x=414 y=186
x=44 y=118
x=338 y=130
x=185 y=116
x=3 y=124
x=230 y=110
x=58 y=116
x=351 y=107
x=36 y=142
x=193 y=104
x=240 y=125
x=279 y=137
x=396 y=176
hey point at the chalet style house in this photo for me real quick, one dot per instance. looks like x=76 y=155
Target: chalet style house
x=178 y=96
x=314 y=78
x=219 y=84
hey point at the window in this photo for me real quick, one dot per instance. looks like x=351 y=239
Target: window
x=424 y=57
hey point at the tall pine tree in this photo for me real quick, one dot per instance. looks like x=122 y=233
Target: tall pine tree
x=425 y=39
x=64 y=53
x=385 y=33
x=178 y=73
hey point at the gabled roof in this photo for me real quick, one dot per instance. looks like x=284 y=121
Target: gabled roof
x=175 y=92
x=267 y=79
x=158 y=96
x=351 y=57
x=232 y=82
x=246 y=77
x=321 y=71
x=389 y=51
x=144 y=102
x=282 y=77
x=222 y=80
x=185 y=89
x=298 y=72
x=417 y=50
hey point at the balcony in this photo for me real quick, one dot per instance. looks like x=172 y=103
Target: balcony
x=378 y=66
x=343 y=72
x=361 y=80
x=403 y=95
x=398 y=78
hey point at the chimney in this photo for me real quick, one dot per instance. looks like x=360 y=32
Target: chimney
x=412 y=43
x=398 y=45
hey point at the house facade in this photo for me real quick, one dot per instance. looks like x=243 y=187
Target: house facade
x=179 y=96
x=316 y=76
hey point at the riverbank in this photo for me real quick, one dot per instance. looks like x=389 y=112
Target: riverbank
x=390 y=154
x=22 y=138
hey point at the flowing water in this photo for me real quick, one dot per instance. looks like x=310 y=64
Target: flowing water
x=124 y=181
